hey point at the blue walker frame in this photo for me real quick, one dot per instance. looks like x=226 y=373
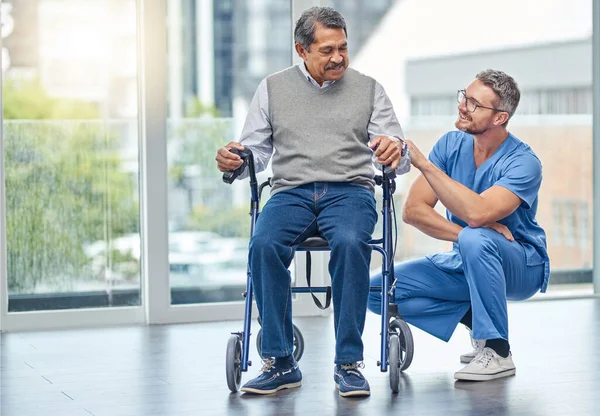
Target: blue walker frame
x=391 y=322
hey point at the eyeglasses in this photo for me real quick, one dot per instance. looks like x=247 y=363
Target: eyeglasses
x=471 y=105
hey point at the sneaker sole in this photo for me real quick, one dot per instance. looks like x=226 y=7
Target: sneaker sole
x=352 y=393
x=484 y=377
x=283 y=386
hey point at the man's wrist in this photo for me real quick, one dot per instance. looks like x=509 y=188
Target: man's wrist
x=396 y=139
x=400 y=144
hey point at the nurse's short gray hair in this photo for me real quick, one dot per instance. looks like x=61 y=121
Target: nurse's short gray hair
x=505 y=87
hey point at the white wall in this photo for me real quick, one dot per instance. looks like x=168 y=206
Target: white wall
x=427 y=28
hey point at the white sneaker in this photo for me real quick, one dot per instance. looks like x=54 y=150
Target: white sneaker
x=478 y=345
x=487 y=365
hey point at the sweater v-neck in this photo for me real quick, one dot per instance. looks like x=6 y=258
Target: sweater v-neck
x=320 y=90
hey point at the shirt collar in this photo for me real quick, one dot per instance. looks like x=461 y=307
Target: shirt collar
x=305 y=72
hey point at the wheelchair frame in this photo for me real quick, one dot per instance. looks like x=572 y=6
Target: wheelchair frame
x=396 y=350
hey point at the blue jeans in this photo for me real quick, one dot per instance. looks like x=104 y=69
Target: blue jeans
x=487 y=271
x=345 y=215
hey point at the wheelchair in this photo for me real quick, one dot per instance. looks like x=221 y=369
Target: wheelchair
x=397 y=346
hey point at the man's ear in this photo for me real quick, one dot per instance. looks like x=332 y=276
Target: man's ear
x=501 y=118
x=301 y=51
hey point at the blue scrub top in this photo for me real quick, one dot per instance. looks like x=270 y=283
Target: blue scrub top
x=513 y=166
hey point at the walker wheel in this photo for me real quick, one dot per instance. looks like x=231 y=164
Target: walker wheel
x=233 y=364
x=298 y=343
x=402 y=330
x=394 y=362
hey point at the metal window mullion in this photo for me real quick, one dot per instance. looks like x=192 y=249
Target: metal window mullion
x=3 y=266
x=596 y=138
x=152 y=98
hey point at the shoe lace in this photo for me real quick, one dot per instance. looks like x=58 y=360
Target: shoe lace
x=267 y=364
x=478 y=345
x=353 y=366
x=484 y=357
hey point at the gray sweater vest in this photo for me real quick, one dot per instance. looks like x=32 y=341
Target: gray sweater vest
x=320 y=135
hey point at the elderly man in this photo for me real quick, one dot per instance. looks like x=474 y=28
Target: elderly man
x=326 y=123
x=489 y=181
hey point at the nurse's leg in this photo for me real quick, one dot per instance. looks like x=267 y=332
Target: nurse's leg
x=495 y=269
x=427 y=297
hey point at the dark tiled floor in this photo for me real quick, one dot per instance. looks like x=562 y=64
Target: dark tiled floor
x=179 y=370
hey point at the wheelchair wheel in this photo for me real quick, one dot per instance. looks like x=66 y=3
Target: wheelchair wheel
x=233 y=364
x=394 y=362
x=298 y=343
x=402 y=330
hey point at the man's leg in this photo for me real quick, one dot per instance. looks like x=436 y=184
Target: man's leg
x=287 y=218
x=347 y=217
x=495 y=269
x=428 y=297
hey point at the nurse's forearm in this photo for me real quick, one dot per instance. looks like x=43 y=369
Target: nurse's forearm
x=429 y=221
x=456 y=197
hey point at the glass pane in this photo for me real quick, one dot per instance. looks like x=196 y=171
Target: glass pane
x=71 y=154
x=217 y=55
x=552 y=66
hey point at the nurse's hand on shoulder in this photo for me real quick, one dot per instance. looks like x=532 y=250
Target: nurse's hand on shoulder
x=502 y=229
x=417 y=158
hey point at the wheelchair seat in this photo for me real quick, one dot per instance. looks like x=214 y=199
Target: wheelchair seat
x=316 y=242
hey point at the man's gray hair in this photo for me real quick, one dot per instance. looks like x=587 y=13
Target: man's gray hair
x=505 y=87
x=304 y=33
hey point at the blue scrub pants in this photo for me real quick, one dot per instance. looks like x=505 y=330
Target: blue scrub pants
x=435 y=298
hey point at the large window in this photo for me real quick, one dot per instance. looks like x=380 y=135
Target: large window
x=217 y=54
x=76 y=179
x=71 y=153
x=233 y=49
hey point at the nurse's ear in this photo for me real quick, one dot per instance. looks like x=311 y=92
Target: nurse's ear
x=500 y=118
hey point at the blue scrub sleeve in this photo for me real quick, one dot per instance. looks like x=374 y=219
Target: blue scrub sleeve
x=522 y=176
x=439 y=154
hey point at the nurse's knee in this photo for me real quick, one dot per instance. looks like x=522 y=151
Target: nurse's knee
x=473 y=241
